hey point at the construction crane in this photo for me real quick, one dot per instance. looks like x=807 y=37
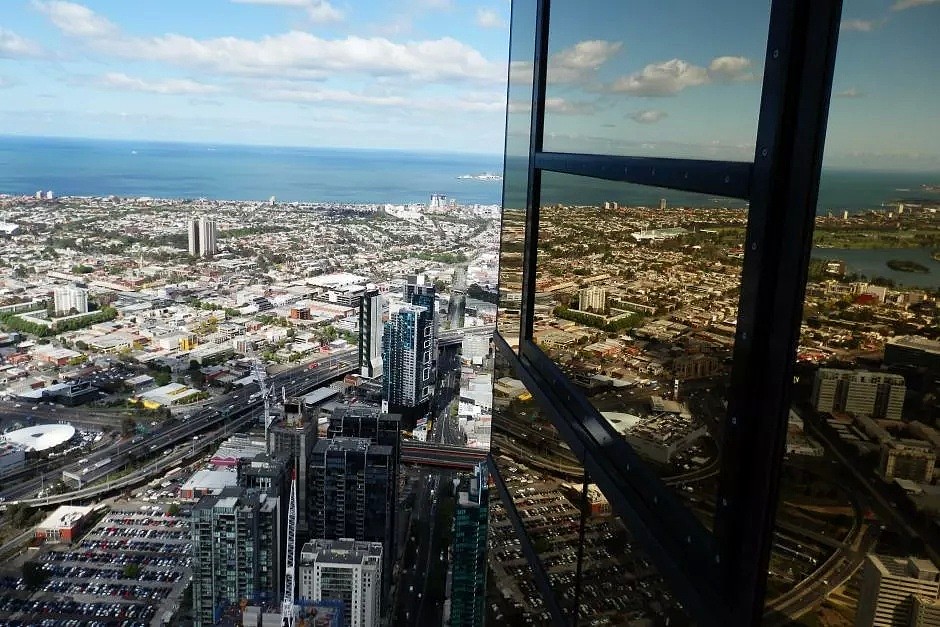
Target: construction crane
x=265 y=390
x=288 y=607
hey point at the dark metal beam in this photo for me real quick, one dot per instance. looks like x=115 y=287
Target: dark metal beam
x=798 y=73
x=534 y=189
x=731 y=179
x=538 y=570
x=671 y=536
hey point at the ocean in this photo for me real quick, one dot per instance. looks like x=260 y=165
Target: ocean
x=83 y=167
x=80 y=167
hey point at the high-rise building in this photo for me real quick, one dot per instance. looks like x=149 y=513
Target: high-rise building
x=925 y=612
x=292 y=437
x=888 y=587
x=593 y=299
x=208 y=232
x=194 y=238
x=468 y=550
x=662 y=204
x=875 y=394
x=68 y=298
x=352 y=489
x=363 y=421
x=371 y=316
x=347 y=571
x=232 y=534
x=408 y=362
x=203 y=232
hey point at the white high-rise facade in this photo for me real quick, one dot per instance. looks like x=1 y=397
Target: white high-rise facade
x=69 y=298
x=344 y=570
x=202 y=237
x=371 y=320
x=207 y=236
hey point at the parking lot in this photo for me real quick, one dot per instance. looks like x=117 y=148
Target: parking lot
x=130 y=570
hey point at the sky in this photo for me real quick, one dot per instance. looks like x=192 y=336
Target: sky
x=643 y=77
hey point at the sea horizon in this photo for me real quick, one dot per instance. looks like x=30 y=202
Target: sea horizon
x=71 y=166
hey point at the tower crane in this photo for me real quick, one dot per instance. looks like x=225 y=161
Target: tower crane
x=265 y=390
x=288 y=607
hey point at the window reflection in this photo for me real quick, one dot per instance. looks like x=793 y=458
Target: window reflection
x=618 y=585
x=858 y=504
x=636 y=302
x=516 y=172
x=614 y=88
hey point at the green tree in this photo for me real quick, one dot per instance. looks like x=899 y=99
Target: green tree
x=131 y=571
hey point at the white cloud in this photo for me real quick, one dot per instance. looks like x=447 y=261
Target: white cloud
x=318 y=10
x=860 y=26
x=467 y=103
x=488 y=18
x=294 y=54
x=13 y=46
x=580 y=60
x=171 y=86
x=730 y=69
x=851 y=92
x=901 y=5
x=76 y=19
x=648 y=116
x=662 y=79
x=668 y=78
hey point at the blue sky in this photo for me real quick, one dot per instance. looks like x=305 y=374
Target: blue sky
x=633 y=78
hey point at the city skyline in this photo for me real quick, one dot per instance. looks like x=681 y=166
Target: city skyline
x=314 y=73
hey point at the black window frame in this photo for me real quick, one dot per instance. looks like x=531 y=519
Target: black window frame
x=719 y=577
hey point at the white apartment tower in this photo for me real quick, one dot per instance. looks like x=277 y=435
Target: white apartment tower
x=203 y=232
x=593 y=299
x=69 y=298
x=889 y=587
x=344 y=570
x=875 y=394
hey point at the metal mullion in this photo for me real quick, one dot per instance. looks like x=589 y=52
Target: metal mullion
x=528 y=550
x=534 y=187
x=731 y=179
x=798 y=72
x=676 y=542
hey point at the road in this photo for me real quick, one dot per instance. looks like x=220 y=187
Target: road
x=231 y=405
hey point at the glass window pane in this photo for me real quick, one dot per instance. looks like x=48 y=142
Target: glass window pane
x=858 y=491
x=538 y=468
x=516 y=171
x=545 y=480
x=636 y=300
x=644 y=78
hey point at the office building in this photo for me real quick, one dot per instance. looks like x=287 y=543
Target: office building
x=292 y=437
x=874 y=394
x=352 y=490
x=363 y=421
x=912 y=350
x=889 y=586
x=232 y=534
x=913 y=460
x=347 y=571
x=203 y=233
x=592 y=299
x=408 y=363
x=925 y=612
x=468 y=550
x=371 y=319
x=70 y=300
